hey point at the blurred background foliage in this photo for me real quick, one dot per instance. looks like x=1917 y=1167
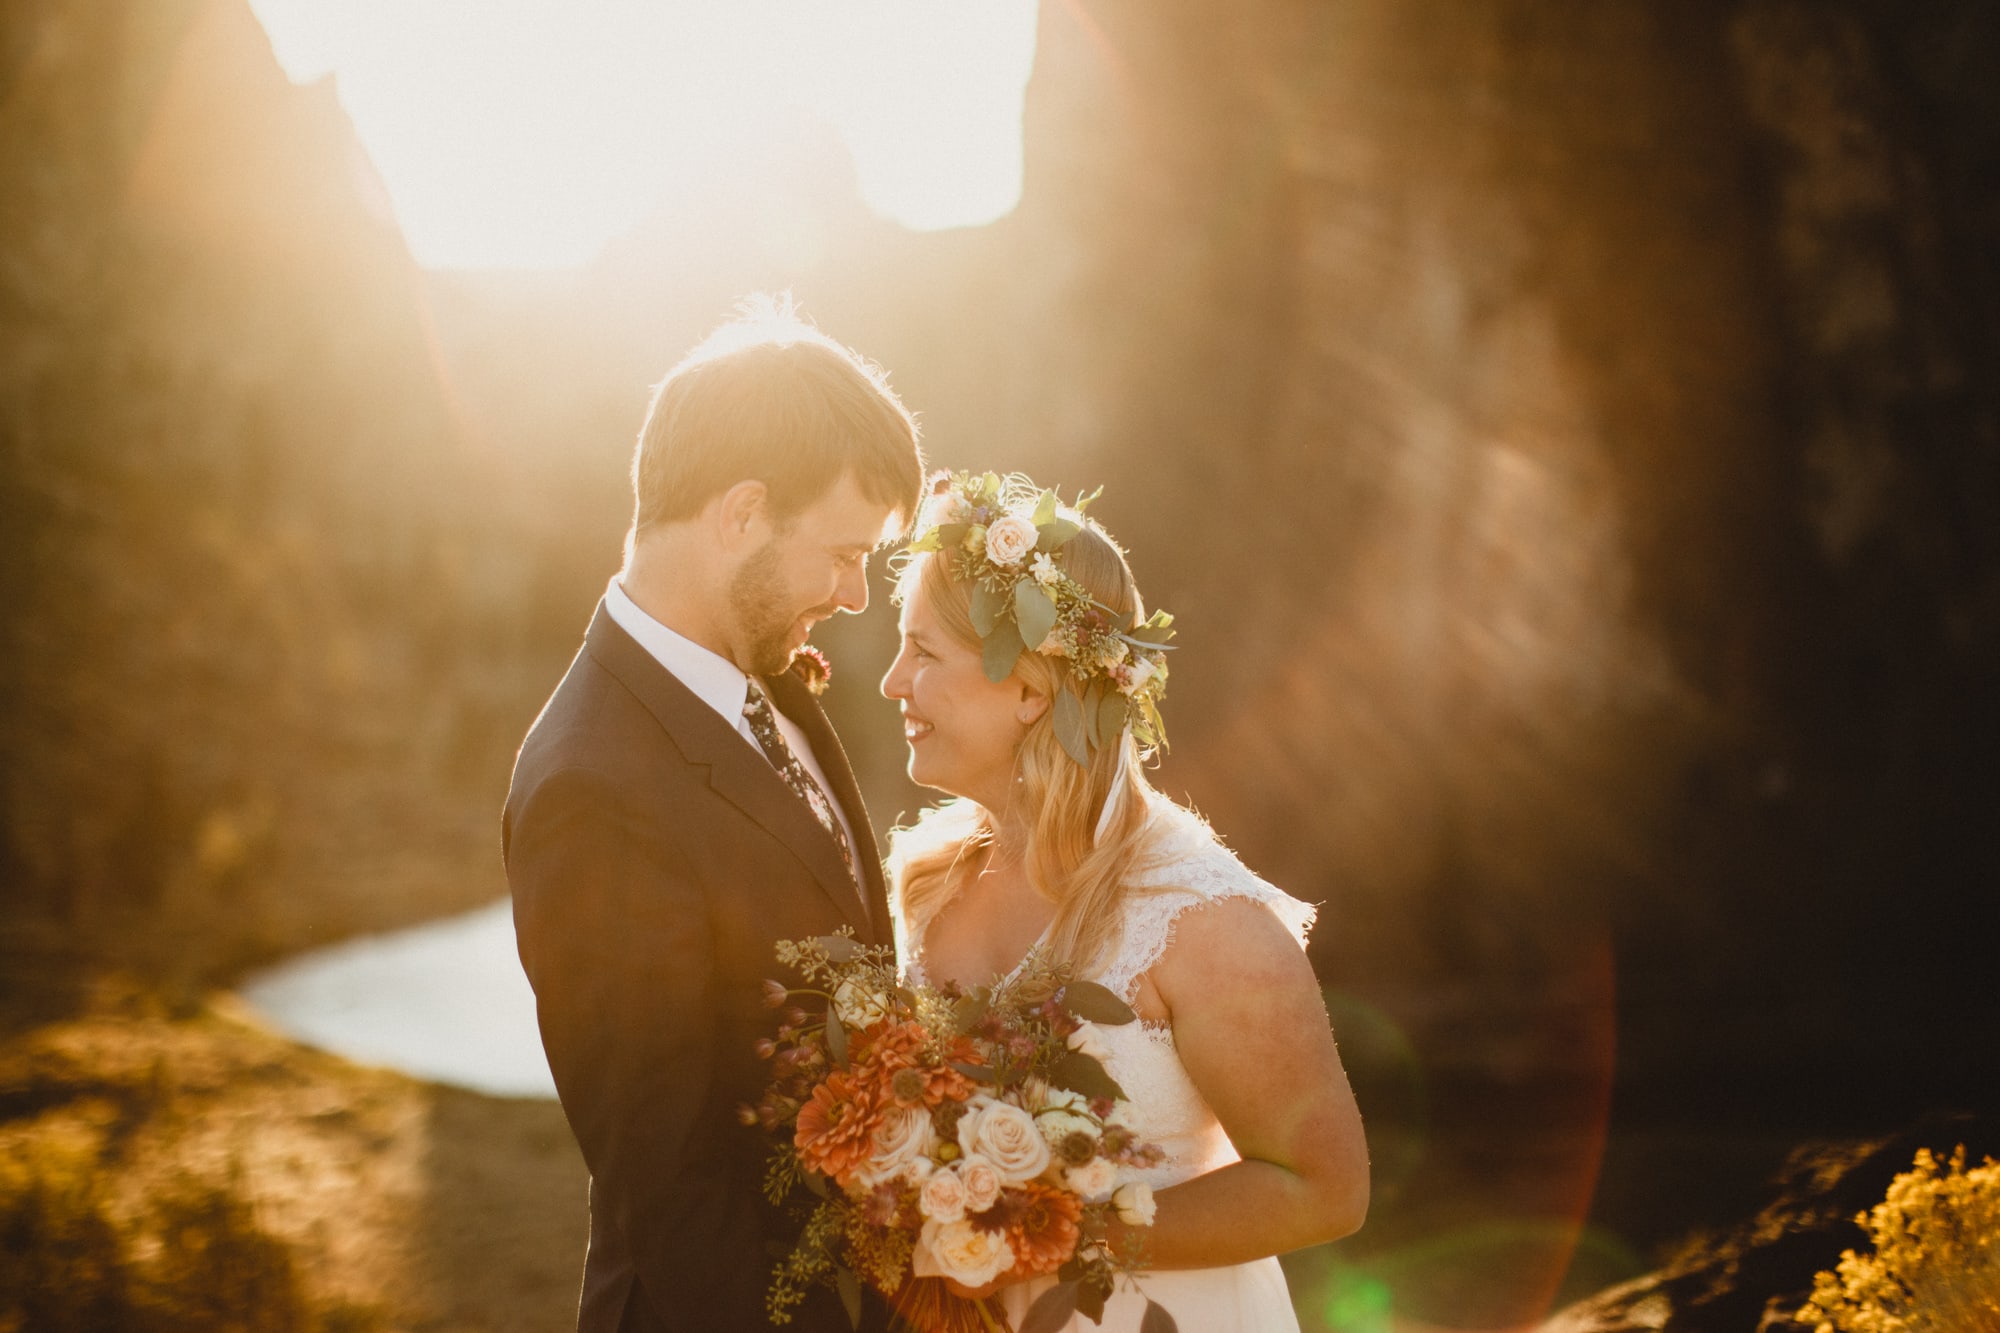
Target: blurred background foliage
x=1566 y=434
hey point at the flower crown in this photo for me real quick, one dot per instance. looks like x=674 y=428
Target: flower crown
x=1002 y=536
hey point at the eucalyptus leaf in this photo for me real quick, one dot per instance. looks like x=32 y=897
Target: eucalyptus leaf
x=815 y=1182
x=989 y=485
x=1034 y=613
x=1069 y=727
x=836 y=1039
x=838 y=948
x=1056 y=533
x=977 y=1073
x=1051 y=1309
x=969 y=1010
x=1082 y=1073
x=930 y=541
x=1097 y=1004
x=1045 y=508
x=1003 y=648
x=850 y=1295
x=988 y=605
x=1090 y=1303
x=1156 y=1319
x=1112 y=711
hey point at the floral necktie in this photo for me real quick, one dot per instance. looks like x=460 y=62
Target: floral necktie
x=757 y=711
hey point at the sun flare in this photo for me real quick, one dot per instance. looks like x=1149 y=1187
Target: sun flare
x=527 y=133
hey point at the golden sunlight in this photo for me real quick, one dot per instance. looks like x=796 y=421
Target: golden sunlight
x=527 y=133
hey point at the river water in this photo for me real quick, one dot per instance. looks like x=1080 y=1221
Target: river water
x=445 y=1001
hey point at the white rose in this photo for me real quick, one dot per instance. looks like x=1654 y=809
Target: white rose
x=1043 y=567
x=948 y=508
x=1134 y=1203
x=1094 y=1179
x=1009 y=539
x=961 y=1251
x=1087 y=1040
x=904 y=1139
x=942 y=1198
x=1006 y=1136
x=982 y=1183
x=859 y=1006
x=1137 y=675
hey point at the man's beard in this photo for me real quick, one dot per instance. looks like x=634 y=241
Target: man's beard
x=758 y=601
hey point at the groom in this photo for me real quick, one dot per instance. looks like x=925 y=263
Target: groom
x=681 y=804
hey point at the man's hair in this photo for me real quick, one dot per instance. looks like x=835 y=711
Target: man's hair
x=767 y=397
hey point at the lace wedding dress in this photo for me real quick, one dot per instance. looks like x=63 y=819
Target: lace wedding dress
x=1184 y=867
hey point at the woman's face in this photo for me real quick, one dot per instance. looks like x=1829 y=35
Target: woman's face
x=963 y=729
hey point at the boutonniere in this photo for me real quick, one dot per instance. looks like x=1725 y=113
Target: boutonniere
x=811 y=667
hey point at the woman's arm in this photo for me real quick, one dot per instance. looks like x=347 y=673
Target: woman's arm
x=1250 y=1025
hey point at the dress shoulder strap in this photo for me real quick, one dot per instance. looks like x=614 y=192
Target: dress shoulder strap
x=1186 y=866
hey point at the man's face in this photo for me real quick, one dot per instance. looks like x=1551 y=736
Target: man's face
x=807 y=570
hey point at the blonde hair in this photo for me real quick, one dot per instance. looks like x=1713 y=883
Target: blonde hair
x=1085 y=822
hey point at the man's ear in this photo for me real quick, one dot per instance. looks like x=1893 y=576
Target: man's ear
x=1032 y=707
x=742 y=515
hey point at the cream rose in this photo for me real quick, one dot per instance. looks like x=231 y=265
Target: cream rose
x=942 y=1199
x=961 y=1251
x=904 y=1140
x=982 y=1183
x=948 y=508
x=1134 y=1203
x=1094 y=1179
x=1006 y=1136
x=858 y=1006
x=1009 y=539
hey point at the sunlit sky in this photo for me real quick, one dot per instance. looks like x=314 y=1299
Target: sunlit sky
x=527 y=133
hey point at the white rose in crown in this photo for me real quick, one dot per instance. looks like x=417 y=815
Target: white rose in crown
x=1134 y=1203
x=1009 y=539
x=942 y=1198
x=1006 y=1136
x=982 y=1183
x=858 y=1006
x=1094 y=1179
x=962 y=1252
x=904 y=1140
x=949 y=508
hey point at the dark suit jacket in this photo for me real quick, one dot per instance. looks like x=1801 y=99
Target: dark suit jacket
x=655 y=856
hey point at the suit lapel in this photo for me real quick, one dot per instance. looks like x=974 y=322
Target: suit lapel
x=736 y=771
x=796 y=702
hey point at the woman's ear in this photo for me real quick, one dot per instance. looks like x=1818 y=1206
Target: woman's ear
x=1031 y=707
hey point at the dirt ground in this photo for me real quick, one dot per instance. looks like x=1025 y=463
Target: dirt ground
x=403 y=1206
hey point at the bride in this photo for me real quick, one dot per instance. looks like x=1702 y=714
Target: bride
x=1058 y=845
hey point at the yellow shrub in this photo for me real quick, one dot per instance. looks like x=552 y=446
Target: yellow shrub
x=1936 y=1265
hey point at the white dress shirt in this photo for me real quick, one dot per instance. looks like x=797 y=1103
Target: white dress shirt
x=717 y=682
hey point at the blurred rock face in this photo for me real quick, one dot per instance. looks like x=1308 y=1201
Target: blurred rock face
x=252 y=635
x=1568 y=436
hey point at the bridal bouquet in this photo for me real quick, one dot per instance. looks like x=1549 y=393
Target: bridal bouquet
x=944 y=1134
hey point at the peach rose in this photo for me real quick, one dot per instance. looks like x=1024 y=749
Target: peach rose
x=1009 y=539
x=942 y=1199
x=904 y=1139
x=1006 y=1136
x=982 y=1184
x=961 y=1251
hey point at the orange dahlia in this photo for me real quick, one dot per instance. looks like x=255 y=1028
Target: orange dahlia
x=836 y=1128
x=1044 y=1229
